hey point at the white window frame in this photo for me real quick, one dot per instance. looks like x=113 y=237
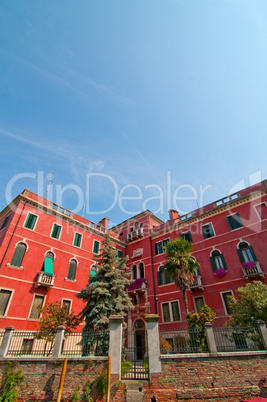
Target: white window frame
x=9 y=301
x=77 y=233
x=56 y=238
x=170 y=311
x=223 y=302
x=198 y=297
x=206 y=224
x=36 y=294
x=30 y=213
x=254 y=206
x=233 y=214
x=69 y=300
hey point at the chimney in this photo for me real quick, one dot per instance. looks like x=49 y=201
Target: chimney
x=173 y=214
x=104 y=222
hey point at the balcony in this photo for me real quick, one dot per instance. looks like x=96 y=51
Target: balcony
x=251 y=269
x=135 y=234
x=197 y=283
x=45 y=279
x=139 y=284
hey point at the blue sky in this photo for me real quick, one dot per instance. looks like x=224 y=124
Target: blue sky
x=132 y=104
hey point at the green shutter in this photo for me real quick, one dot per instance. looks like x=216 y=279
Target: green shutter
x=48 y=265
x=18 y=255
x=240 y=254
x=213 y=264
x=93 y=273
x=253 y=254
x=30 y=222
x=72 y=270
x=159 y=278
x=77 y=239
x=96 y=247
x=223 y=261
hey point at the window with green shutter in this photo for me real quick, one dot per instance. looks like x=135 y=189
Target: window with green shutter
x=208 y=231
x=96 y=247
x=234 y=221
x=18 y=255
x=48 y=263
x=246 y=252
x=187 y=236
x=77 y=240
x=159 y=246
x=217 y=261
x=4 y=299
x=5 y=222
x=37 y=302
x=30 y=221
x=56 y=231
x=120 y=254
x=72 y=270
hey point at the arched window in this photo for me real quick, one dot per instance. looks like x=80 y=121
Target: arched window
x=141 y=270
x=72 y=269
x=18 y=255
x=48 y=263
x=134 y=272
x=217 y=261
x=246 y=252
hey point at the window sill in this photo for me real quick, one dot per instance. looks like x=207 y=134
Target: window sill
x=13 y=266
x=33 y=319
x=32 y=230
x=70 y=280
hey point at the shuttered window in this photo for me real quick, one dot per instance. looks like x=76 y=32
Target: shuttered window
x=37 y=302
x=207 y=231
x=48 y=264
x=5 y=222
x=120 y=254
x=18 y=255
x=96 y=247
x=225 y=297
x=199 y=303
x=72 y=270
x=234 y=221
x=217 y=261
x=30 y=221
x=4 y=299
x=246 y=253
x=187 y=236
x=56 y=231
x=77 y=240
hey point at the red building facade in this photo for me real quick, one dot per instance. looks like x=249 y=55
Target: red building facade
x=47 y=253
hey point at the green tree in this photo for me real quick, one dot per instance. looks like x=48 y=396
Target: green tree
x=53 y=315
x=105 y=295
x=249 y=306
x=181 y=266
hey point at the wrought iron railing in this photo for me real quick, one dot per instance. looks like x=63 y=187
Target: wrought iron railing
x=233 y=339
x=31 y=343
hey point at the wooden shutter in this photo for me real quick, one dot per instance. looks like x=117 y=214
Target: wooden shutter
x=240 y=254
x=72 y=270
x=213 y=264
x=96 y=247
x=223 y=261
x=253 y=254
x=48 y=265
x=18 y=255
x=159 y=278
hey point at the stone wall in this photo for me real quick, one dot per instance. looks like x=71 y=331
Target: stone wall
x=42 y=377
x=220 y=378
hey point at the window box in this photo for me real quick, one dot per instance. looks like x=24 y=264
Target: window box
x=251 y=269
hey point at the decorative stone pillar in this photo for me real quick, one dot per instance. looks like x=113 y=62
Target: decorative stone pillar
x=263 y=332
x=6 y=341
x=59 y=341
x=152 y=321
x=210 y=338
x=115 y=343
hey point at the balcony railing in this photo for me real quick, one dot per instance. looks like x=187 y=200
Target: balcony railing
x=197 y=283
x=253 y=270
x=45 y=279
x=135 y=234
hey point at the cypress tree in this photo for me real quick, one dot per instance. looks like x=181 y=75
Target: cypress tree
x=105 y=295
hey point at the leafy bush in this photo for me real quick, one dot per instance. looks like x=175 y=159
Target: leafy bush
x=8 y=389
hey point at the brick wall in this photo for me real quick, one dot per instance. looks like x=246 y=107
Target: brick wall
x=41 y=379
x=210 y=379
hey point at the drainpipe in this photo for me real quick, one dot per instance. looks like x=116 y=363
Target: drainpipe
x=12 y=236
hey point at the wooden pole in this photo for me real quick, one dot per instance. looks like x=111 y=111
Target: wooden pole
x=62 y=379
x=108 y=378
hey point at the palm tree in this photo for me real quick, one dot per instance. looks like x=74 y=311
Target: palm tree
x=180 y=265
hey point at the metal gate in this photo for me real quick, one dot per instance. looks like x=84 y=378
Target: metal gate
x=134 y=365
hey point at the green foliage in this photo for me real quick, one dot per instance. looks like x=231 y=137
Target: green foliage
x=146 y=366
x=196 y=323
x=12 y=379
x=125 y=366
x=180 y=265
x=165 y=346
x=249 y=306
x=101 y=383
x=75 y=396
x=87 y=391
x=105 y=295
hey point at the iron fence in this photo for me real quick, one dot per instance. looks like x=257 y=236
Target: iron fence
x=31 y=343
x=232 y=339
x=95 y=343
x=191 y=340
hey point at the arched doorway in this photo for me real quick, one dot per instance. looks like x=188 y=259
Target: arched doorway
x=140 y=339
